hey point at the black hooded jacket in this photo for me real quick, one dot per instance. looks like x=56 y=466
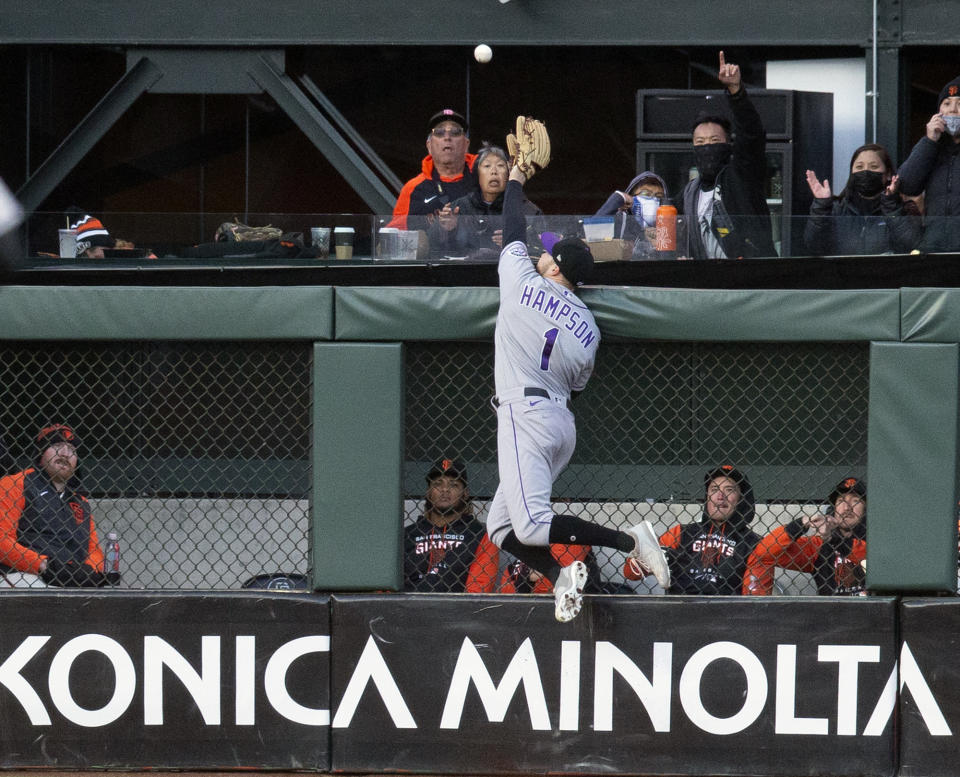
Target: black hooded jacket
x=708 y=558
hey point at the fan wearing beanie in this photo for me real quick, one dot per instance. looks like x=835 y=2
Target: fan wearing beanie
x=933 y=169
x=92 y=236
x=47 y=531
x=708 y=557
x=835 y=555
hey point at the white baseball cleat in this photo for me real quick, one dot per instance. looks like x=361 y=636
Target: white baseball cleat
x=648 y=551
x=568 y=591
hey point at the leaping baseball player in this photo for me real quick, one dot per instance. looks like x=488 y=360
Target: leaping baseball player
x=545 y=345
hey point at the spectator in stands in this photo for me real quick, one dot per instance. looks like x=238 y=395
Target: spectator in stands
x=92 y=236
x=709 y=557
x=933 y=169
x=835 y=554
x=725 y=204
x=868 y=217
x=473 y=225
x=446 y=173
x=447 y=546
x=47 y=531
x=650 y=192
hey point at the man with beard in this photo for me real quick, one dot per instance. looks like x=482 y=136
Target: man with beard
x=835 y=555
x=46 y=526
x=709 y=557
x=725 y=206
x=447 y=547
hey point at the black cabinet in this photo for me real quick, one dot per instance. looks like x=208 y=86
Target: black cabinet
x=799 y=128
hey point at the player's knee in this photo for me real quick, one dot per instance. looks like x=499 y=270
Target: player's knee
x=497 y=535
x=531 y=533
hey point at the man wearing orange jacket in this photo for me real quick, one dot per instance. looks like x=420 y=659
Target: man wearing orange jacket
x=446 y=173
x=834 y=555
x=492 y=576
x=46 y=527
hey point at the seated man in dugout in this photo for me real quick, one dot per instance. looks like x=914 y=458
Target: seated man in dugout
x=708 y=557
x=511 y=576
x=835 y=554
x=47 y=533
x=447 y=548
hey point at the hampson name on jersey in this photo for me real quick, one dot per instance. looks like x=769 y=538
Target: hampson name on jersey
x=558 y=310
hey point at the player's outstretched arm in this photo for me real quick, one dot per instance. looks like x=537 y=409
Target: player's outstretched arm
x=514 y=222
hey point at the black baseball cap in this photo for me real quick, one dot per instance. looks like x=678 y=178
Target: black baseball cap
x=574 y=259
x=849 y=486
x=447 y=114
x=55 y=433
x=452 y=468
x=727 y=471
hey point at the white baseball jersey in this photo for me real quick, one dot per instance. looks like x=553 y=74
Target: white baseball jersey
x=546 y=340
x=545 y=337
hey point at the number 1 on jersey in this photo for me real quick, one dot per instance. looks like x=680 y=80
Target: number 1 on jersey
x=551 y=337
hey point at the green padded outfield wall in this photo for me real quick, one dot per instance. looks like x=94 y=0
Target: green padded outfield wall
x=372 y=313
x=912 y=467
x=357 y=518
x=167 y=313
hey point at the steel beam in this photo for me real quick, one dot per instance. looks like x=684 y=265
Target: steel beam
x=87 y=133
x=323 y=135
x=251 y=24
x=347 y=129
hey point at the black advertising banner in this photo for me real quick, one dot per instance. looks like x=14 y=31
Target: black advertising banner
x=191 y=681
x=929 y=687
x=636 y=685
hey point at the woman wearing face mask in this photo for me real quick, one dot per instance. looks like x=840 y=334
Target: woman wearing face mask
x=868 y=217
x=473 y=225
x=635 y=212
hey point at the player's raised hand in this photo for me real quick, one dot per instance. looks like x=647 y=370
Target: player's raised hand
x=729 y=75
x=819 y=190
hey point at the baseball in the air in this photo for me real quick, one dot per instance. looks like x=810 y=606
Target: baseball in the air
x=483 y=53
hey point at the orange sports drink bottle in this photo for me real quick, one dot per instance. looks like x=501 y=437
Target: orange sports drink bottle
x=666 y=240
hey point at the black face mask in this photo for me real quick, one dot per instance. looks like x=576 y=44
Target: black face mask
x=711 y=157
x=867 y=183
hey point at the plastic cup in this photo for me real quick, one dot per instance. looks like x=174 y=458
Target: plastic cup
x=68 y=243
x=320 y=239
x=409 y=243
x=389 y=243
x=597 y=228
x=343 y=240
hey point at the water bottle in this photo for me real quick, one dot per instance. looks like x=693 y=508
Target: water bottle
x=111 y=552
x=666 y=243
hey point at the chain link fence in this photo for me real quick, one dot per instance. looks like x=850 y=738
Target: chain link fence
x=198 y=454
x=195 y=454
x=655 y=418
